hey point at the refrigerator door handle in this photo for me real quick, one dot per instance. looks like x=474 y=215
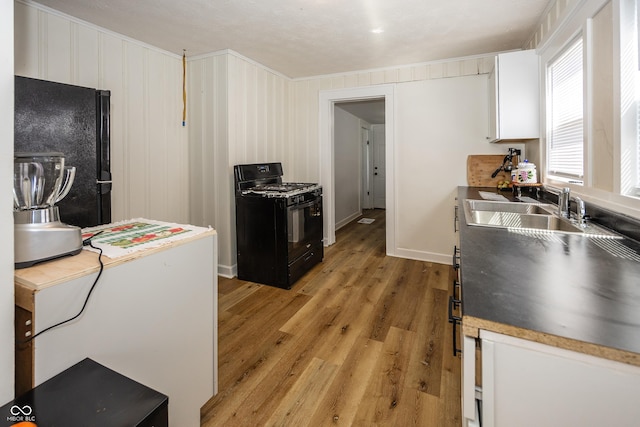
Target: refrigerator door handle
x=104 y=182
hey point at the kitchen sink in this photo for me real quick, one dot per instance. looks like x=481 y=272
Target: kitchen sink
x=515 y=207
x=527 y=216
x=521 y=220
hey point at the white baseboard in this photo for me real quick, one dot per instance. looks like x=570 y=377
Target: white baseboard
x=347 y=220
x=422 y=256
x=228 y=272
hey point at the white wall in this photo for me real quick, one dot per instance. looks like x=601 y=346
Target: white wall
x=438 y=123
x=6 y=198
x=239 y=114
x=348 y=165
x=425 y=237
x=149 y=152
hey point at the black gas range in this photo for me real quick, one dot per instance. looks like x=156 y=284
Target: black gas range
x=278 y=225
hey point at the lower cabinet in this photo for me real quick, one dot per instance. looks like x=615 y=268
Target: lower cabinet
x=471 y=383
x=530 y=384
x=152 y=317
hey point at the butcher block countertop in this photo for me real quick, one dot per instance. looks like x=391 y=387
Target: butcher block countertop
x=51 y=273
x=568 y=291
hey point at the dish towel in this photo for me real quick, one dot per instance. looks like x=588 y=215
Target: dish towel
x=135 y=235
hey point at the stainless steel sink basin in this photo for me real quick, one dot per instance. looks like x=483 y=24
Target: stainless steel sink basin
x=515 y=207
x=521 y=220
x=526 y=216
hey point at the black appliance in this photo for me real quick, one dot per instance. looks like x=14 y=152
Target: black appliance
x=72 y=120
x=278 y=225
x=88 y=394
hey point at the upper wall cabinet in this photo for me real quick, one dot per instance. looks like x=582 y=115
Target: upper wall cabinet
x=514 y=97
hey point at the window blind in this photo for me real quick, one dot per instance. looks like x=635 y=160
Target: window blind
x=566 y=133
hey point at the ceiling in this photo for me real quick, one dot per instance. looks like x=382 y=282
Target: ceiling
x=303 y=38
x=371 y=111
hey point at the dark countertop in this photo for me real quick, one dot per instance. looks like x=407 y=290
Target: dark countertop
x=563 y=288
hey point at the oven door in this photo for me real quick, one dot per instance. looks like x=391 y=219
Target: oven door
x=304 y=227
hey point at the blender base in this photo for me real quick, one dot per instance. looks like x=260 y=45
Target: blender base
x=34 y=243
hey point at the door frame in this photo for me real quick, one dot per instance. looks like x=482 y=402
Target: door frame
x=367 y=174
x=327 y=101
x=377 y=189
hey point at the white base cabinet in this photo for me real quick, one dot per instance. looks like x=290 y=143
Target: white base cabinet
x=530 y=384
x=470 y=392
x=152 y=317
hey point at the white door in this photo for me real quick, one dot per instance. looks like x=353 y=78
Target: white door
x=367 y=169
x=378 y=142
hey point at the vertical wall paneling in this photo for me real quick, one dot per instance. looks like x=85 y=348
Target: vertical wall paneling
x=391 y=76
x=87 y=57
x=436 y=71
x=243 y=115
x=262 y=130
x=195 y=123
x=26 y=43
x=112 y=75
x=147 y=143
x=350 y=80
x=364 y=79
x=136 y=140
x=602 y=146
x=420 y=72
x=58 y=49
x=405 y=74
x=158 y=142
x=377 y=77
x=225 y=203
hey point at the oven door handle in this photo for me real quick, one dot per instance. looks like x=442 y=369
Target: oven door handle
x=304 y=205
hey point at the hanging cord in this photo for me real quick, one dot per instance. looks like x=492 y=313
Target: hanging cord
x=184 y=87
x=86 y=242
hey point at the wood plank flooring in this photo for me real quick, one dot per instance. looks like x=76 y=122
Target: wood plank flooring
x=362 y=339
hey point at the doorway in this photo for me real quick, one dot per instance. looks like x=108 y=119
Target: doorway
x=328 y=99
x=359 y=158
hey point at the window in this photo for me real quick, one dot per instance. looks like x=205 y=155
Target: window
x=636 y=191
x=629 y=102
x=565 y=108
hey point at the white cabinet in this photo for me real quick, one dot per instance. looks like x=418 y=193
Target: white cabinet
x=514 y=97
x=471 y=396
x=152 y=317
x=530 y=384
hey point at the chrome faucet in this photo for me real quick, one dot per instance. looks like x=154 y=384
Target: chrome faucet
x=563 y=202
x=581 y=211
x=564 y=208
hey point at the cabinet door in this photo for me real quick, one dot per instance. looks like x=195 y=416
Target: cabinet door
x=493 y=103
x=529 y=384
x=514 y=97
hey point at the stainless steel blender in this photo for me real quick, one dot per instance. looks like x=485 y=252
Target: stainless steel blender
x=40 y=180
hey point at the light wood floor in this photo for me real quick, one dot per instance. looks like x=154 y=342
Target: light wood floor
x=363 y=339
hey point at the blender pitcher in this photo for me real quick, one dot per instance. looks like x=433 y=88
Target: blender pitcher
x=40 y=180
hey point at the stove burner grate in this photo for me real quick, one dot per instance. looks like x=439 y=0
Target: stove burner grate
x=285 y=189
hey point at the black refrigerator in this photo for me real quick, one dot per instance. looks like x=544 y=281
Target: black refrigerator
x=73 y=120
